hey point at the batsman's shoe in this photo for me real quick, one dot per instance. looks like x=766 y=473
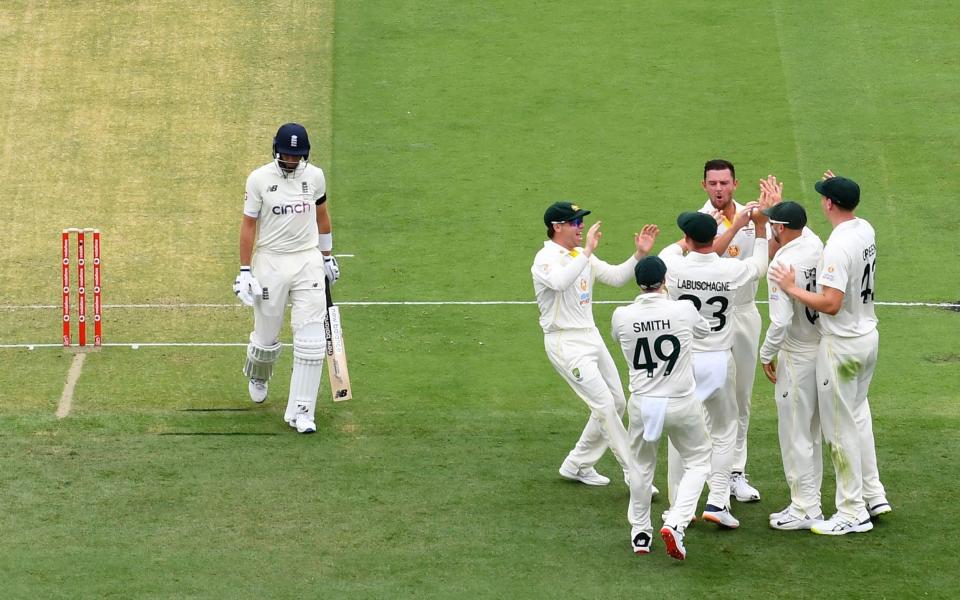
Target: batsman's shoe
x=720 y=516
x=879 y=507
x=305 y=424
x=640 y=541
x=741 y=489
x=790 y=520
x=258 y=390
x=587 y=475
x=840 y=525
x=674 y=541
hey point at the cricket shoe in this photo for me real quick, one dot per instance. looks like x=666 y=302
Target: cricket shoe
x=879 y=507
x=720 y=516
x=840 y=525
x=673 y=538
x=587 y=475
x=789 y=520
x=258 y=390
x=640 y=541
x=303 y=424
x=741 y=489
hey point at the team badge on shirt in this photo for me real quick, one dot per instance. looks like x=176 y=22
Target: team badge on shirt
x=733 y=251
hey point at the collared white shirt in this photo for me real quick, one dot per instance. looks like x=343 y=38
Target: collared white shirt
x=563 y=283
x=849 y=264
x=793 y=326
x=285 y=207
x=712 y=283
x=741 y=247
x=656 y=335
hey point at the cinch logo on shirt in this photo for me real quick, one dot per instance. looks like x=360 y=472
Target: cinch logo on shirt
x=289 y=209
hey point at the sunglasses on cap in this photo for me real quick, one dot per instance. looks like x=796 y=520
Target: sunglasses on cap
x=575 y=222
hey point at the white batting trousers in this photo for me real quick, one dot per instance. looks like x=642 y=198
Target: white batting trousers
x=798 y=426
x=746 y=323
x=685 y=427
x=297 y=276
x=720 y=412
x=582 y=359
x=844 y=369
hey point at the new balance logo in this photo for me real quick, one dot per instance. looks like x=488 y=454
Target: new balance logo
x=272 y=188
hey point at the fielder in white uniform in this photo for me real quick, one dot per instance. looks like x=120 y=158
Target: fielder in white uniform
x=720 y=182
x=847 y=355
x=563 y=277
x=656 y=335
x=789 y=360
x=712 y=284
x=286 y=242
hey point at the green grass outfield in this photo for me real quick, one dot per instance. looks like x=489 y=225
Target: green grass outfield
x=445 y=129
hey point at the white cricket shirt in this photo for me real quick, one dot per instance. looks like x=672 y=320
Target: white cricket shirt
x=849 y=264
x=712 y=283
x=563 y=282
x=741 y=248
x=656 y=335
x=285 y=207
x=793 y=326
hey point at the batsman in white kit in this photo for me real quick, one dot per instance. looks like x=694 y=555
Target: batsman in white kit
x=712 y=284
x=846 y=355
x=789 y=360
x=286 y=245
x=563 y=276
x=656 y=335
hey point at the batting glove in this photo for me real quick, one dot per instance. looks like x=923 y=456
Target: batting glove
x=331 y=268
x=246 y=287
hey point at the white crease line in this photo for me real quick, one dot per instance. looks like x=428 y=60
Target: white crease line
x=66 y=399
x=14 y=307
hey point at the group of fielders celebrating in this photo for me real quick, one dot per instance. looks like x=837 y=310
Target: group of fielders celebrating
x=691 y=341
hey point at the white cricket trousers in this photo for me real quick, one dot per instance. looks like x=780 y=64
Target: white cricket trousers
x=297 y=276
x=844 y=369
x=746 y=323
x=714 y=372
x=582 y=359
x=798 y=426
x=686 y=428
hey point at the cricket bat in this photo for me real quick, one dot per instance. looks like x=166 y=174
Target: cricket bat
x=336 y=352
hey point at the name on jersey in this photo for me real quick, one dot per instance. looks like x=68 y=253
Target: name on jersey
x=869 y=251
x=712 y=286
x=657 y=325
x=290 y=209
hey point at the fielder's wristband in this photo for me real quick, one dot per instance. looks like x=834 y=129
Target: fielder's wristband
x=326 y=242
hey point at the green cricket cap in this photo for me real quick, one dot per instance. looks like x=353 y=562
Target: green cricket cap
x=650 y=271
x=561 y=212
x=701 y=227
x=787 y=213
x=844 y=192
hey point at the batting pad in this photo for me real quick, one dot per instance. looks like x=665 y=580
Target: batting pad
x=309 y=348
x=260 y=360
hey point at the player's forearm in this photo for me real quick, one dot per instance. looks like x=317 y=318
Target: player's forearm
x=772 y=343
x=616 y=276
x=248 y=232
x=722 y=241
x=818 y=302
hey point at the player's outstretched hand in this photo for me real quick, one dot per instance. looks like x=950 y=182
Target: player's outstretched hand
x=246 y=286
x=593 y=238
x=828 y=174
x=331 y=268
x=645 y=239
x=743 y=217
x=771 y=191
x=785 y=277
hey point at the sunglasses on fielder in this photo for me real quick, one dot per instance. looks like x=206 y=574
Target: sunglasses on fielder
x=575 y=222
